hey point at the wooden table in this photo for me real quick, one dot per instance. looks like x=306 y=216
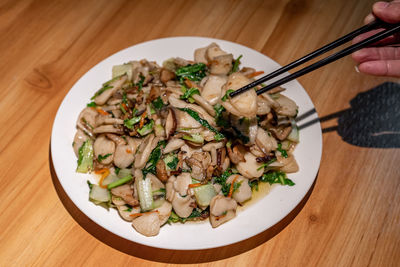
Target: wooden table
x=351 y=217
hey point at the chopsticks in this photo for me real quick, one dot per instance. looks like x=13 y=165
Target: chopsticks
x=390 y=29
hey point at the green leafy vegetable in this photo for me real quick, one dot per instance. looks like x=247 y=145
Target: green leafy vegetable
x=283 y=152
x=153 y=159
x=146 y=129
x=195 y=138
x=101 y=90
x=188 y=93
x=220 y=119
x=253 y=184
x=130 y=122
x=226 y=96
x=276 y=177
x=196 y=214
x=222 y=181
x=85 y=157
x=218 y=136
x=235 y=66
x=119 y=182
x=194 y=72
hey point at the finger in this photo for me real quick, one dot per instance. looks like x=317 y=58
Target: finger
x=369 y=18
x=376 y=53
x=387 y=41
x=389 y=68
x=387 y=11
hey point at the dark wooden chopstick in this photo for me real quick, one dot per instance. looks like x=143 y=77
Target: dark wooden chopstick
x=391 y=29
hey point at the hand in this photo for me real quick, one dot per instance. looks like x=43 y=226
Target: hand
x=383 y=60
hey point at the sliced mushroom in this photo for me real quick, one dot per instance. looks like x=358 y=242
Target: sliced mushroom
x=212 y=89
x=169 y=188
x=104 y=147
x=222 y=209
x=204 y=104
x=115 y=85
x=181 y=184
x=100 y=120
x=173 y=144
x=170 y=123
x=107 y=129
x=125 y=212
x=164 y=211
x=166 y=75
x=79 y=138
x=144 y=152
x=250 y=168
x=243 y=193
x=148 y=224
x=287 y=106
x=263 y=106
x=281 y=132
x=125 y=153
x=199 y=162
x=183 y=206
x=265 y=141
x=87 y=119
x=184 y=120
x=216 y=145
x=289 y=164
x=200 y=54
x=214 y=51
x=161 y=171
x=126 y=193
x=246 y=104
x=221 y=65
x=236 y=154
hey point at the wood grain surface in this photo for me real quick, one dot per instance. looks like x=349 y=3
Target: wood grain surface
x=351 y=217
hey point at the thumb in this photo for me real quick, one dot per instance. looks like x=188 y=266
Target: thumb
x=387 y=11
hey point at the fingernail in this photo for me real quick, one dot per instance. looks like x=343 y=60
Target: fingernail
x=356 y=68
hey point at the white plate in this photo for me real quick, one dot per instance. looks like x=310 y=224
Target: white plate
x=249 y=222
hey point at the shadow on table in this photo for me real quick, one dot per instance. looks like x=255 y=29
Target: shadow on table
x=373 y=119
x=165 y=255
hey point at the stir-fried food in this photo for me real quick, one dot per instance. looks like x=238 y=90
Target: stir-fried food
x=169 y=145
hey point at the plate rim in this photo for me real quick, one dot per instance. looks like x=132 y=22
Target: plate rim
x=93 y=68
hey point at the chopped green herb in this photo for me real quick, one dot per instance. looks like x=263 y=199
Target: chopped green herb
x=117 y=170
x=283 y=152
x=158 y=103
x=265 y=165
x=196 y=214
x=91 y=105
x=235 y=66
x=140 y=82
x=218 y=136
x=129 y=209
x=226 y=96
x=222 y=181
x=100 y=157
x=276 y=177
x=253 y=184
x=194 y=72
